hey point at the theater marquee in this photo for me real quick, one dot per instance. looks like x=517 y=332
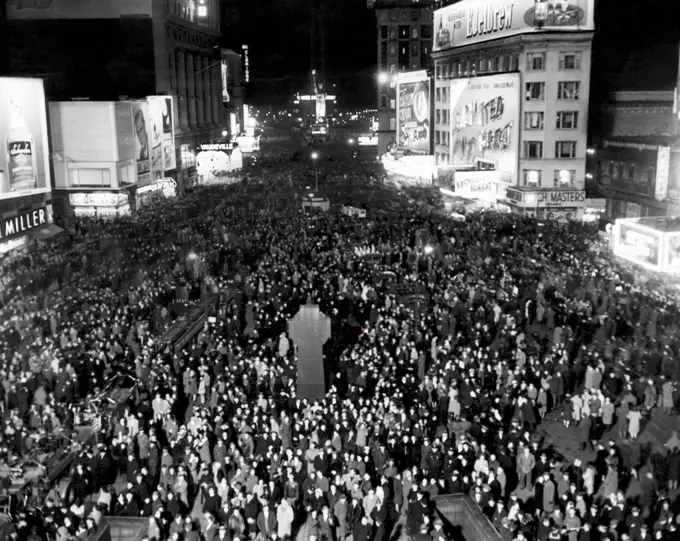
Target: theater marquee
x=22 y=224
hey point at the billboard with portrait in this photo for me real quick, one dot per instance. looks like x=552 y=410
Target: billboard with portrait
x=413 y=106
x=637 y=244
x=24 y=158
x=155 y=128
x=140 y=124
x=476 y=21
x=77 y=9
x=168 y=119
x=485 y=122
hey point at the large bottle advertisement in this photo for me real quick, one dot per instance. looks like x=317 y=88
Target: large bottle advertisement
x=24 y=165
x=140 y=121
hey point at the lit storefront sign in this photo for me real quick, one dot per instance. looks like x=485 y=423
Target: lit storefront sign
x=246 y=63
x=97 y=199
x=22 y=223
x=219 y=147
x=546 y=198
x=167 y=185
x=476 y=184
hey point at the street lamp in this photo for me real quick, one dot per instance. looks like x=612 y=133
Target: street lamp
x=383 y=78
x=225 y=133
x=315 y=156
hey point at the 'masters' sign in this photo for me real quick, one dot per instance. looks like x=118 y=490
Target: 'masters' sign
x=23 y=223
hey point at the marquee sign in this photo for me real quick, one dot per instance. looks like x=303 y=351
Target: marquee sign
x=22 y=223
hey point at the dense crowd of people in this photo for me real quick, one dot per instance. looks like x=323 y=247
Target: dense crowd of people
x=444 y=365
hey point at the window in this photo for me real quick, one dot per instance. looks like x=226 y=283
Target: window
x=414 y=33
x=535 y=91
x=565 y=149
x=568 y=90
x=438 y=71
x=393 y=15
x=437 y=137
x=631 y=172
x=404 y=15
x=426 y=32
x=493 y=63
x=532 y=177
x=533 y=149
x=424 y=53
x=393 y=33
x=403 y=31
x=415 y=15
x=445 y=116
x=570 y=61
x=438 y=116
x=564 y=177
x=393 y=50
x=438 y=94
x=483 y=65
x=651 y=176
x=384 y=31
x=393 y=124
x=445 y=94
x=533 y=121
x=514 y=62
x=415 y=50
x=383 y=102
x=383 y=52
x=567 y=120
x=393 y=103
x=455 y=69
x=504 y=63
x=535 y=61
x=90 y=177
x=445 y=138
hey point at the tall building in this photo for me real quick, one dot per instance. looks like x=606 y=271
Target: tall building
x=404 y=44
x=512 y=84
x=111 y=50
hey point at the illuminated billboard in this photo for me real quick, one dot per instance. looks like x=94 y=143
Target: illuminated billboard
x=413 y=111
x=161 y=135
x=77 y=9
x=485 y=122
x=24 y=159
x=476 y=21
x=638 y=244
x=140 y=123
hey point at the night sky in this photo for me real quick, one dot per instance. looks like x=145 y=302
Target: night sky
x=278 y=36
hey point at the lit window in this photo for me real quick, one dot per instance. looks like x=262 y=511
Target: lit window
x=532 y=177
x=564 y=177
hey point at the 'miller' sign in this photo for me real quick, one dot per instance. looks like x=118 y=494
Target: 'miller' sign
x=24 y=222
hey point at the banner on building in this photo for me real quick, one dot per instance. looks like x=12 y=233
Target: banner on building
x=225 y=81
x=24 y=158
x=413 y=111
x=140 y=123
x=155 y=123
x=663 y=166
x=484 y=122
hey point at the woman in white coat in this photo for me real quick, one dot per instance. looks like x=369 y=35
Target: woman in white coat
x=284 y=519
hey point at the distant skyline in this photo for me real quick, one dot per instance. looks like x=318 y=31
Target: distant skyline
x=277 y=32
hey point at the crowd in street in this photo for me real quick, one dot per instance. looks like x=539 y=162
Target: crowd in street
x=514 y=325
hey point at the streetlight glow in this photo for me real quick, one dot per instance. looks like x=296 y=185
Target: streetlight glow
x=225 y=133
x=315 y=155
x=383 y=78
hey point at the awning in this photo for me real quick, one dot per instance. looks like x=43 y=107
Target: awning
x=45 y=233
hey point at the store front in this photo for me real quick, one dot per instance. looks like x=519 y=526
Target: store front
x=160 y=189
x=100 y=204
x=23 y=229
x=560 y=205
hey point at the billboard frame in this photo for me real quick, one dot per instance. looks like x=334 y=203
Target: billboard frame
x=413 y=78
x=39 y=134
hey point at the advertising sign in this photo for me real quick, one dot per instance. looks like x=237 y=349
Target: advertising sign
x=663 y=166
x=485 y=121
x=673 y=251
x=367 y=141
x=475 y=184
x=169 y=151
x=77 y=9
x=140 y=115
x=225 y=81
x=24 y=157
x=22 y=223
x=155 y=124
x=413 y=106
x=97 y=199
x=476 y=21
x=559 y=198
x=638 y=246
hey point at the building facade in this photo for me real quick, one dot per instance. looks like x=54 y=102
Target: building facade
x=637 y=160
x=512 y=85
x=128 y=51
x=404 y=44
